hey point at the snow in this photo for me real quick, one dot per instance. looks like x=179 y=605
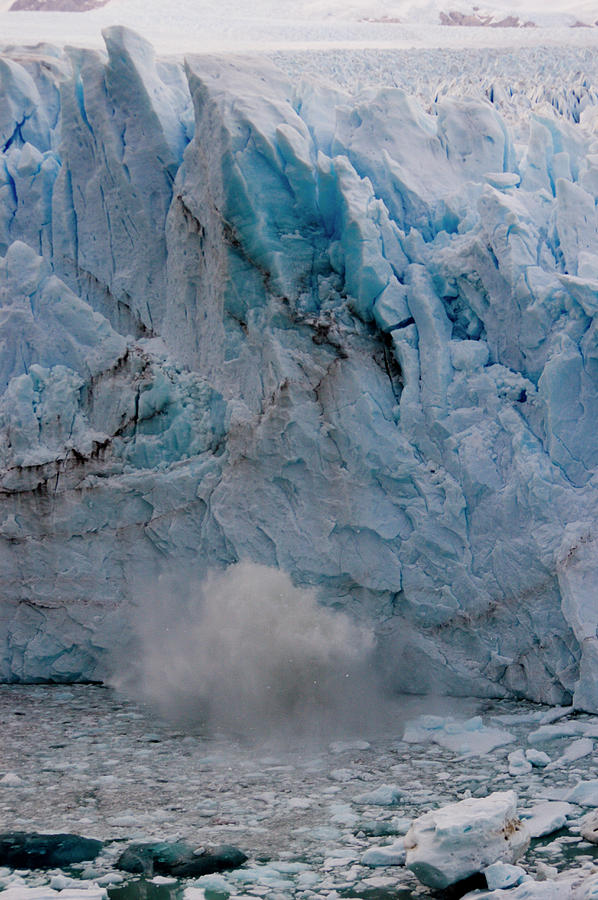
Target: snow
x=192 y=26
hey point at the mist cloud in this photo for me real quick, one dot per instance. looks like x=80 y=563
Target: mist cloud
x=246 y=651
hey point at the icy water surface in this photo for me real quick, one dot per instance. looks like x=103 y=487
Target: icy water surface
x=93 y=763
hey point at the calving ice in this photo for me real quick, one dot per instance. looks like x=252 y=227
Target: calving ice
x=252 y=317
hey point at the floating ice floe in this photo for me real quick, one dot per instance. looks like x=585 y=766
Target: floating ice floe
x=589 y=827
x=385 y=795
x=11 y=779
x=544 y=818
x=575 y=750
x=504 y=875
x=21 y=892
x=580 y=884
x=585 y=793
x=538 y=758
x=550 y=732
x=34 y=850
x=469 y=737
x=344 y=746
x=449 y=844
x=385 y=855
x=518 y=763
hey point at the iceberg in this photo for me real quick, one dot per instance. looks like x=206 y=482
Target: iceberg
x=250 y=317
x=450 y=844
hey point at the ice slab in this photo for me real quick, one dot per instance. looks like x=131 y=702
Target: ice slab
x=385 y=855
x=450 y=844
x=92 y=892
x=585 y=793
x=468 y=737
x=544 y=818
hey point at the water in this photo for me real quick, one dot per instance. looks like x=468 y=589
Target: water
x=99 y=765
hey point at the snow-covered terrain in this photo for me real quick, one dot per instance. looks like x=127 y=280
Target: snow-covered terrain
x=191 y=26
x=344 y=333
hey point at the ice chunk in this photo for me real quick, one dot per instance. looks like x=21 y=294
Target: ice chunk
x=91 y=892
x=518 y=764
x=179 y=859
x=537 y=758
x=11 y=779
x=528 y=890
x=547 y=733
x=385 y=795
x=589 y=827
x=503 y=875
x=544 y=818
x=45 y=323
x=385 y=855
x=31 y=850
x=469 y=355
x=449 y=844
x=469 y=737
x=574 y=751
x=585 y=793
x=344 y=746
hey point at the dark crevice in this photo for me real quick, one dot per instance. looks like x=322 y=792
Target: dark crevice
x=404 y=323
x=385 y=358
x=194 y=226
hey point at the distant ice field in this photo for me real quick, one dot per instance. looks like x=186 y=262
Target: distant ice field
x=426 y=73
x=188 y=26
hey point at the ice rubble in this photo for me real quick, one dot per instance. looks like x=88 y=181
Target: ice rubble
x=46 y=893
x=250 y=317
x=112 y=767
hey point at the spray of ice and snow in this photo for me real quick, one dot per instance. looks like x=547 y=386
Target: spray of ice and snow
x=249 y=653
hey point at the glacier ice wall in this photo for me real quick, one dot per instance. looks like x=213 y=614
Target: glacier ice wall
x=250 y=317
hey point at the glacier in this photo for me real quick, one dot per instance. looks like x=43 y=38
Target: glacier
x=347 y=334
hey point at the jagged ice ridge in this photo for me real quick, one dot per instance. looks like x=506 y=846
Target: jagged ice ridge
x=250 y=316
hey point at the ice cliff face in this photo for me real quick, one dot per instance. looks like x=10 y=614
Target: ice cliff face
x=249 y=318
